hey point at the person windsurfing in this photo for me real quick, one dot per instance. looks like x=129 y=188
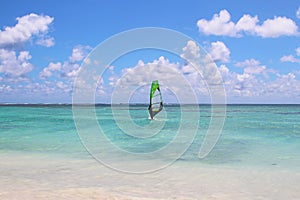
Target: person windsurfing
x=156 y=103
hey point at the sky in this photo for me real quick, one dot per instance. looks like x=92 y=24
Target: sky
x=254 y=44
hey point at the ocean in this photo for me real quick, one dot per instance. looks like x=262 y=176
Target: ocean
x=46 y=155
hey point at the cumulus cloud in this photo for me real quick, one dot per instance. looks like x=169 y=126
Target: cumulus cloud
x=247 y=63
x=143 y=73
x=247 y=24
x=255 y=69
x=15 y=65
x=219 y=52
x=140 y=77
x=47 y=42
x=251 y=85
x=298 y=13
x=196 y=76
x=291 y=58
x=221 y=25
x=242 y=85
x=69 y=68
x=5 y=88
x=247 y=84
x=252 y=66
x=58 y=77
x=182 y=80
x=285 y=84
x=191 y=51
x=28 y=26
x=276 y=27
x=47 y=71
x=254 y=81
x=204 y=63
x=298 y=51
x=224 y=72
x=79 y=52
x=65 y=87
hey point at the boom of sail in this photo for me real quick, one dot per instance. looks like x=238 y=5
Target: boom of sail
x=156 y=103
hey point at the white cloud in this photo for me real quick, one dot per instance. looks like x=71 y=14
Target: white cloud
x=224 y=72
x=47 y=42
x=58 y=77
x=191 y=51
x=71 y=67
x=47 y=71
x=298 y=13
x=286 y=85
x=250 y=85
x=298 y=51
x=252 y=66
x=183 y=81
x=202 y=72
x=136 y=79
x=291 y=58
x=277 y=27
x=219 y=52
x=5 y=88
x=66 y=87
x=79 y=52
x=27 y=26
x=242 y=85
x=54 y=66
x=248 y=63
x=143 y=73
x=13 y=65
x=255 y=70
x=48 y=87
x=70 y=70
x=221 y=24
x=247 y=24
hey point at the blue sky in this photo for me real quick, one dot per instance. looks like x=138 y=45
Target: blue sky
x=255 y=45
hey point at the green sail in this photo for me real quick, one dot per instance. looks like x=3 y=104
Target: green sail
x=156 y=104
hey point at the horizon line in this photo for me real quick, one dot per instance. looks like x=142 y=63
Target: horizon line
x=134 y=104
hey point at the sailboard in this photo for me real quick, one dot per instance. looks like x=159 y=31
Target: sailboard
x=156 y=103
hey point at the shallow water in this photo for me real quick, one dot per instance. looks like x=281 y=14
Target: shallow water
x=41 y=149
x=253 y=135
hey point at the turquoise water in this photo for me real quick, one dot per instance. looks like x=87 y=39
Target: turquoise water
x=252 y=136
